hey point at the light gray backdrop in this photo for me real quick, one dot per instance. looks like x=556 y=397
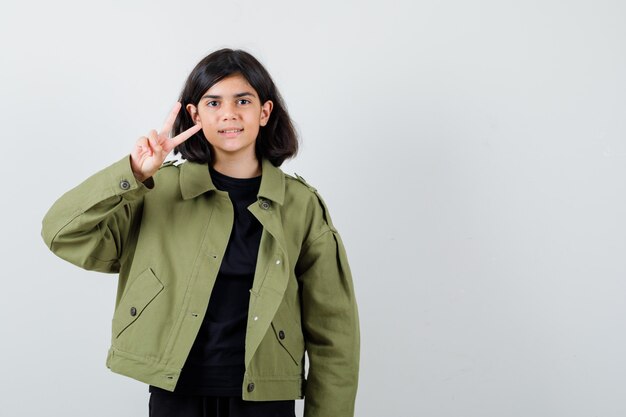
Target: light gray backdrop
x=473 y=155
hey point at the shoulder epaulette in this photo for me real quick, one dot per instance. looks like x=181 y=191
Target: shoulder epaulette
x=321 y=200
x=302 y=180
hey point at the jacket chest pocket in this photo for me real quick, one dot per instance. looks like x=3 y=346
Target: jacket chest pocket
x=141 y=292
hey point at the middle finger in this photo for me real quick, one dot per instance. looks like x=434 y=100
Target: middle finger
x=169 y=122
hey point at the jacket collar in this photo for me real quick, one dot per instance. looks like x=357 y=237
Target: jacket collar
x=195 y=180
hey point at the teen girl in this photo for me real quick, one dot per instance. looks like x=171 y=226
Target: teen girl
x=229 y=270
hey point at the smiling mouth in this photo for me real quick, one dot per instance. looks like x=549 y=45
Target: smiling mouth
x=230 y=130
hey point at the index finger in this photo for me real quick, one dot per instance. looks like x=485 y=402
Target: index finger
x=183 y=136
x=169 y=122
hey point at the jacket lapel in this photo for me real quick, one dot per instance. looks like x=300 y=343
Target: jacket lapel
x=195 y=180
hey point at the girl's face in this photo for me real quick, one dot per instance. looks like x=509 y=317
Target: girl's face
x=231 y=114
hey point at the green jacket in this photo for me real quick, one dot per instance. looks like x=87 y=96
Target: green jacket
x=166 y=238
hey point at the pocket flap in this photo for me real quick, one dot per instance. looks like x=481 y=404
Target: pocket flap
x=141 y=292
x=289 y=335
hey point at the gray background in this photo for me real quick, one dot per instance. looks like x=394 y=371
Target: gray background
x=472 y=153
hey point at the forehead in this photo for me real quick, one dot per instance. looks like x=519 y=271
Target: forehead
x=230 y=86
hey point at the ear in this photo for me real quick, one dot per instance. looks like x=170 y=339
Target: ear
x=193 y=112
x=266 y=110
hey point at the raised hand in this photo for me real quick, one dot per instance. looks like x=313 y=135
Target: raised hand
x=150 y=151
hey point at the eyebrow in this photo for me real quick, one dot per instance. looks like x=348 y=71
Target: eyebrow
x=238 y=95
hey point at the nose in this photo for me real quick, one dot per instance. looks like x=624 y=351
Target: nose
x=229 y=111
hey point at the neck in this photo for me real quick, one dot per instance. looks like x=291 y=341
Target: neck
x=237 y=167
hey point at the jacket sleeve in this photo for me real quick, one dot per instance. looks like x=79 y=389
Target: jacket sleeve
x=330 y=324
x=89 y=225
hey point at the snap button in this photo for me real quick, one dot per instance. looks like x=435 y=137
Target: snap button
x=133 y=311
x=256 y=318
x=281 y=335
x=277 y=261
x=251 y=387
x=265 y=205
x=124 y=184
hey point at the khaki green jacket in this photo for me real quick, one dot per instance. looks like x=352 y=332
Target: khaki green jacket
x=166 y=238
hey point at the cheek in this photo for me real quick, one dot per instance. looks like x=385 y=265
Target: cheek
x=207 y=131
x=206 y=119
x=208 y=128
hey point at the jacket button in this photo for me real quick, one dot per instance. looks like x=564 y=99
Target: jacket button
x=281 y=335
x=133 y=311
x=124 y=184
x=265 y=205
x=250 y=387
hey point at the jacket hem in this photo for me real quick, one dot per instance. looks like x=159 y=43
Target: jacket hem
x=135 y=367
x=273 y=388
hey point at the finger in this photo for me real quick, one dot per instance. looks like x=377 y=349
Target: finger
x=143 y=146
x=153 y=138
x=138 y=154
x=169 y=122
x=178 y=139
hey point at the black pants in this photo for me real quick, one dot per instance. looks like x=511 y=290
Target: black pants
x=167 y=404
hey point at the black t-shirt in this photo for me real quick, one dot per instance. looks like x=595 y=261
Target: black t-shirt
x=215 y=365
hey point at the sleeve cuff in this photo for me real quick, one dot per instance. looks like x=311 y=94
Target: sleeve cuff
x=124 y=182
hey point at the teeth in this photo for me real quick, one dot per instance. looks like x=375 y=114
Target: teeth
x=231 y=131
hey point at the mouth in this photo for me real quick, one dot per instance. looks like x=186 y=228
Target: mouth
x=230 y=130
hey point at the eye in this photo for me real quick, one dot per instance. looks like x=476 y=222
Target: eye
x=243 y=101
x=212 y=103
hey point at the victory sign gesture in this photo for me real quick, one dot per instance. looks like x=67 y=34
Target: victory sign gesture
x=150 y=151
